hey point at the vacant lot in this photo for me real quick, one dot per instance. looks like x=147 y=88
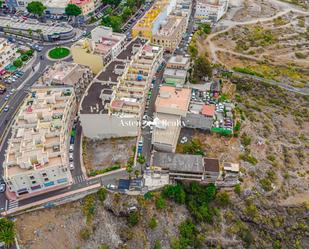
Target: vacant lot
x=108 y=152
x=275 y=49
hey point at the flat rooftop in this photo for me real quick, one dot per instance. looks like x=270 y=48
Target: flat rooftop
x=178 y=73
x=171 y=97
x=211 y=164
x=129 y=50
x=97 y=97
x=178 y=59
x=33 y=25
x=179 y=162
x=168 y=131
x=197 y=121
x=112 y=71
x=56 y=3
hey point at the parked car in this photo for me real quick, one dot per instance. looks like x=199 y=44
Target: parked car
x=71 y=157
x=111 y=186
x=71 y=149
x=2 y=186
x=184 y=140
x=7 y=97
x=71 y=166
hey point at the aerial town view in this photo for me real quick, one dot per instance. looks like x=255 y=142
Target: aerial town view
x=154 y=124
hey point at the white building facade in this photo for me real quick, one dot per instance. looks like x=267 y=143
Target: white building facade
x=36 y=159
x=211 y=10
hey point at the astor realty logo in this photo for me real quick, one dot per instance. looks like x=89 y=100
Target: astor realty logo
x=149 y=122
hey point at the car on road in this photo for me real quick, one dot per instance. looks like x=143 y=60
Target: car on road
x=71 y=149
x=12 y=91
x=71 y=157
x=111 y=186
x=71 y=166
x=6 y=108
x=2 y=186
x=7 y=97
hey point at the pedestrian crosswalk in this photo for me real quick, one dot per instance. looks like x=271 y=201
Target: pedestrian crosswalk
x=12 y=204
x=79 y=179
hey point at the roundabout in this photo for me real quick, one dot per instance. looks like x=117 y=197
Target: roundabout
x=58 y=53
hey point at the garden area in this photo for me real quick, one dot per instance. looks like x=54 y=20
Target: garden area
x=59 y=53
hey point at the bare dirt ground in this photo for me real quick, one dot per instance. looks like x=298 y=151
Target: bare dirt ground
x=64 y=227
x=108 y=152
x=248 y=9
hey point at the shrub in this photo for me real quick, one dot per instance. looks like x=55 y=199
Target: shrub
x=245 y=140
x=102 y=194
x=160 y=203
x=237 y=189
x=24 y=57
x=7 y=232
x=300 y=55
x=223 y=199
x=153 y=223
x=148 y=196
x=85 y=233
x=266 y=184
x=18 y=63
x=157 y=244
x=103 y=171
x=248 y=158
x=88 y=207
x=30 y=52
x=133 y=219
x=174 y=192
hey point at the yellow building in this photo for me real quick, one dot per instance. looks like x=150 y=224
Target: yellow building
x=150 y=22
x=82 y=54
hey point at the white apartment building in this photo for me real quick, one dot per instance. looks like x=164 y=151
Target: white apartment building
x=211 y=9
x=8 y=53
x=114 y=102
x=36 y=159
x=65 y=73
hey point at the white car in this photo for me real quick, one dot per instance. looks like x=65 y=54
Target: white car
x=184 y=140
x=71 y=166
x=111 y=186
x=71 y=157
x=71 y=149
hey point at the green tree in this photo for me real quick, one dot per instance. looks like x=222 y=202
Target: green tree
x=7 y=232
x=153 y=223
x=237 y=189
x=175 y=192
x=102 y=194
x=205 y=27
x=18 y=63
x=116 y=23
x=112 y=2
x=109 y=10
x=223 y=199
x=201 y=68
x=133 y=219
x=1 y=4
x=126 y=13
x=157 y=244
x=72 y=10
x=36 y=8
x=160 y=203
